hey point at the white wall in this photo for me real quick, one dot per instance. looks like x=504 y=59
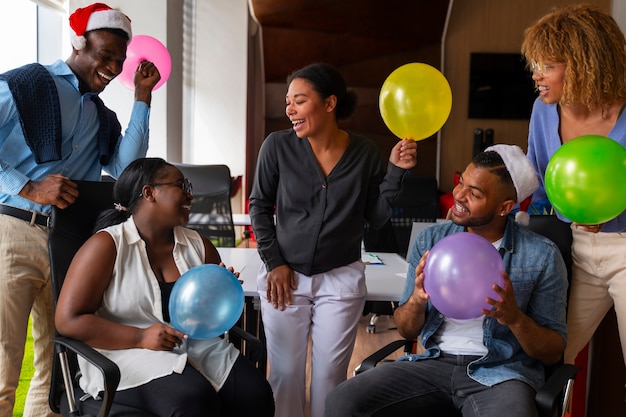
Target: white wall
x=20 y=24
x=618 y=11
x=220 y=85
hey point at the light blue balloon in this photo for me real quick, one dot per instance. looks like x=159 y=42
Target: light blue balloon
x=206 y=301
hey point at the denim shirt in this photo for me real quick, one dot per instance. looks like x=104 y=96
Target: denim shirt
x=539 y=278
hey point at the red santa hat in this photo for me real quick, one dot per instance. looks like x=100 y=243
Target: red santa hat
x=96 y=16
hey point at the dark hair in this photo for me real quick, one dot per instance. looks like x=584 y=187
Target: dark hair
x=115 y=31
x=327 y=81
x=127 y=191
x=495 y=164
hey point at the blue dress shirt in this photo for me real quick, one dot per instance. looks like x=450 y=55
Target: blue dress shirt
x=79 y=147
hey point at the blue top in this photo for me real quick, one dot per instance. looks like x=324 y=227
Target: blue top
x=539 y=278
x=79 y=147
x=543 y=142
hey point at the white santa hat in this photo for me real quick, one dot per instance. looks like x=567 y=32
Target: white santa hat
x=96 y=16
x=522 y=173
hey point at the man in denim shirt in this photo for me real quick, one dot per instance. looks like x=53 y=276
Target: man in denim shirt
x=492 y=365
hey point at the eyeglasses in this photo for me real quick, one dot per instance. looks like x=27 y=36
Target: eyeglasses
x=184 y=184
x=544 y=70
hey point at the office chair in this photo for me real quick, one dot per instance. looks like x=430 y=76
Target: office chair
x=211 y=211
x=554 y=397
x=69 y=229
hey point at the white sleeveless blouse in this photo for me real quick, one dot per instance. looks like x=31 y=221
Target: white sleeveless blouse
x=133 y=298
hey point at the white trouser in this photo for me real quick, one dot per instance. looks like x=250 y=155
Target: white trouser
x=327 y=307
x=598 y=282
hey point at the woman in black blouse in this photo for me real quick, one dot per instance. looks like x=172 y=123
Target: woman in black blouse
x=324 y=183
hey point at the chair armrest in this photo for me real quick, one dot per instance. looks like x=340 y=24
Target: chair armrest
x=373 y=359
x=254 y=347
x=108 y=368
x=549 y=394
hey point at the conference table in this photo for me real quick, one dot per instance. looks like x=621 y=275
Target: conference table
x=384 y=281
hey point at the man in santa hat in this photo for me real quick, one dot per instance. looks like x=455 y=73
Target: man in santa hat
x=54 y=129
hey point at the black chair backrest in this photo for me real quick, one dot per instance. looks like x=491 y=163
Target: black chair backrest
x=69 y=229
x=557 y=231
x=560 y=233
x=211 y=211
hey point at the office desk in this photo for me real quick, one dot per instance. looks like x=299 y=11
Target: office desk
x=239 y=219
x=384 y=282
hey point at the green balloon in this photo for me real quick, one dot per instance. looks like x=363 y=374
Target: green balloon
x=586 y=179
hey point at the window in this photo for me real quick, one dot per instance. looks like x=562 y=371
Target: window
x=36 y=34
x=19 y=31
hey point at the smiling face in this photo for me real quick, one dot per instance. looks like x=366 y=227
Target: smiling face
x=480 y=198
x=100 y=61
x=174 y=203
x=549 y=80
x=307 y=111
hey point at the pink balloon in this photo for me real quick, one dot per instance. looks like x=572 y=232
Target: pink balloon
x=144 y=47
x=459 y=273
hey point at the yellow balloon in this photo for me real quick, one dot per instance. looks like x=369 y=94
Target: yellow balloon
x=415 y=101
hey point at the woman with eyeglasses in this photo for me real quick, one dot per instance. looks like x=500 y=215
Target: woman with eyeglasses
x=578 y=58
x=116 y=295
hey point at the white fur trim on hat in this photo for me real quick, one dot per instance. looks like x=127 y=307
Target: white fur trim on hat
x=522 y=217
x=93 y=17
x=521 y=170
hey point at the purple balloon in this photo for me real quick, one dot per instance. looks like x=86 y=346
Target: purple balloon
x=459 y=273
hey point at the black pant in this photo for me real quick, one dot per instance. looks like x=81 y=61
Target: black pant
x=246 y=392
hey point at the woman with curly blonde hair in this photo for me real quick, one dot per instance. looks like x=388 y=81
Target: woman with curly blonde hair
x=578 y=59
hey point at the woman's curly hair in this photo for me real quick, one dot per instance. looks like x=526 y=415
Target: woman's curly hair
x=592 y=45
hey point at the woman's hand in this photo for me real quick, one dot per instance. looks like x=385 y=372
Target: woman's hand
x=160 y=336
x=280 y=283
x=591 y=228
x=404 y=154
x=231 y=269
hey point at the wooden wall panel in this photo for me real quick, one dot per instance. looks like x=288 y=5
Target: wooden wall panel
x=483 y=26
x=474 y=26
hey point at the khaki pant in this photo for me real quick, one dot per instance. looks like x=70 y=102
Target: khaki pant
x=25 y=290
x=598 y=282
